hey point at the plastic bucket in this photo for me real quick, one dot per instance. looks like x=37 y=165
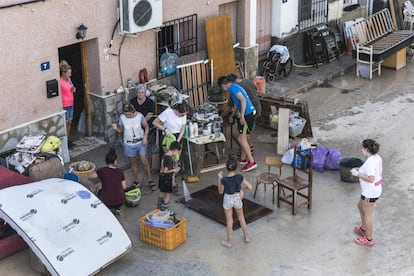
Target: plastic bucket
x=260 y=83
x=345 y=166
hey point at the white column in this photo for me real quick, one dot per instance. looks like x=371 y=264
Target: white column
x=252 y=22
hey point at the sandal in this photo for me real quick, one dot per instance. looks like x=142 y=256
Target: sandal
x=360 y=231
x=152 y=185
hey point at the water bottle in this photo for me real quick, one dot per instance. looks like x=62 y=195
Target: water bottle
x=217 y=127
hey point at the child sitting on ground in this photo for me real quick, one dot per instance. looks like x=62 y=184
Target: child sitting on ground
x=230 y=186
x=166 y=177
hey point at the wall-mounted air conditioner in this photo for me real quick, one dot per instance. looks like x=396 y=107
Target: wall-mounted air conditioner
x=139 y=15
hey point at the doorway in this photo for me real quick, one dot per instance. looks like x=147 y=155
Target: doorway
x=72 y=54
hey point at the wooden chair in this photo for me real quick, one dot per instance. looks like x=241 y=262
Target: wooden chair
x=299 y=185
x=268 y=178
x=365 y=56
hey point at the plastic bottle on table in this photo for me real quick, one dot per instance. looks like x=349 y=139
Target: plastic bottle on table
x=191 y=130
x=217 y=127
x=195 y=129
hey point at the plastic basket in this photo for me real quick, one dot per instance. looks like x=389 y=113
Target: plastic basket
x=86 y=173
x=164 y=238
x=132 y=197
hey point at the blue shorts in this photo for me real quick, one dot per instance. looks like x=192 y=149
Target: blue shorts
x=69 y=112
x=135 y=150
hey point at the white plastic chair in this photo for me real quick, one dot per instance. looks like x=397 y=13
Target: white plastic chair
x=409 y=17
x=409 y=6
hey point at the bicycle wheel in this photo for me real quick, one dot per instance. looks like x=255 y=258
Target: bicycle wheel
x=287 y=67
x=279 y=69
x=270 y=77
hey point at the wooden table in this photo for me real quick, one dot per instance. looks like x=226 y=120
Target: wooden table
x=200 y=148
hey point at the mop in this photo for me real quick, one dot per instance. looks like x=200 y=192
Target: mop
x=191 y=178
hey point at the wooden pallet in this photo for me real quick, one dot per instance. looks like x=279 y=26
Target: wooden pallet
x=194 y=80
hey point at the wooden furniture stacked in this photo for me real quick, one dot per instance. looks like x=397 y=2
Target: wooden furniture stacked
x=296 y=105
x=387 y=43
x=269 y=178
x=298 y=186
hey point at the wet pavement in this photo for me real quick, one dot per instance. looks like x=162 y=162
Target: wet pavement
x=320 y=241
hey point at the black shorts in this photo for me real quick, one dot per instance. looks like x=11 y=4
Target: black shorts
x=369 y=200
x=165 y=183
x=248 y=127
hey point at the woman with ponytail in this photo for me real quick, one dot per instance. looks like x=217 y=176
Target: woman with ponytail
x=370 y=179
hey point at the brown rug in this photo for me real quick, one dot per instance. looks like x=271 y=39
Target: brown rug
x=209 y=203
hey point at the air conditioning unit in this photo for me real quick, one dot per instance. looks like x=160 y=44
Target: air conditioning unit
x=139 y=15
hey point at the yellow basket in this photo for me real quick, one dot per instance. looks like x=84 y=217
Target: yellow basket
x=164 y=238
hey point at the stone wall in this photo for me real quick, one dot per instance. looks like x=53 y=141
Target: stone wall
x=103 y=108
x=248 y=57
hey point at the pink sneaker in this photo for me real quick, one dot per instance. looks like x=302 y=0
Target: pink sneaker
x=241 y=161
x=359 y=231
x=364 y=241
x=249 y=166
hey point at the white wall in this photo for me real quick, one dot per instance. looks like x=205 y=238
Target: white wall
x=33 y=33
x=284 y=17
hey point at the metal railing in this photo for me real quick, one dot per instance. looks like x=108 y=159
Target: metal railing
x=178 y=36
x=312 y=13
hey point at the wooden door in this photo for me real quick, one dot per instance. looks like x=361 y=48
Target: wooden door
x=220 y=45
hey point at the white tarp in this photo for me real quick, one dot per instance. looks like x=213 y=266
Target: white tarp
x=67 y=227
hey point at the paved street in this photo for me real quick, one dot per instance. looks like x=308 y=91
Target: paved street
x=319 y=241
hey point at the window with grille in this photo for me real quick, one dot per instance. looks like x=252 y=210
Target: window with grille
x=350 y=3
x=312 y=13
x=177 y=36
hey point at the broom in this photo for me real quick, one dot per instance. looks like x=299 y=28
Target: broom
x=190 y=178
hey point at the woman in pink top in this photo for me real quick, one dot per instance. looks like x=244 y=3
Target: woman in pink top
x=67 y=89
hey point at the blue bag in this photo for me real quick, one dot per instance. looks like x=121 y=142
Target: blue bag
x=299 y=158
